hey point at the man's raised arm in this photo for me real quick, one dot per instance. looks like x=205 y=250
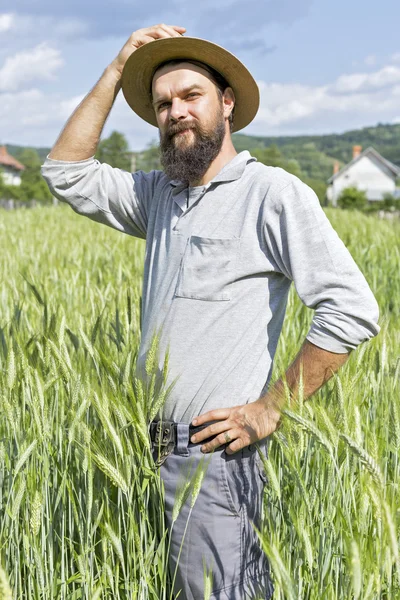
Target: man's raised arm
x=81 y=134
x=103 y=193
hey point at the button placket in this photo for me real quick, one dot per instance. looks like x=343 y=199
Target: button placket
x=186 y=211
x=195 y=202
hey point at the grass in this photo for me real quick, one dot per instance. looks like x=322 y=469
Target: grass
x=79 y=498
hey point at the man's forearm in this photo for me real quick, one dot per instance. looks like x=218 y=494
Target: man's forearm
x=81 y=134
x=317 y=366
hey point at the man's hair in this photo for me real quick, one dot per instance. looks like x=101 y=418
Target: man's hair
x=219 y=81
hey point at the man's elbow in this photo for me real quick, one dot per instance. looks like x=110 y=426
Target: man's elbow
x=370 y=314
x=67 y=180
x=343 y=331
x=54 y=181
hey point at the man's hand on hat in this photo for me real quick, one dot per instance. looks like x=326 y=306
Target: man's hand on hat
x=239 y=426
x=143 y=36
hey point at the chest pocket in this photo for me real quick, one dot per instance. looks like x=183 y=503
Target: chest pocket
x=207 y=268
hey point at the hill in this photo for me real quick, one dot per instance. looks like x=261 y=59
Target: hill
x=17 y=150
x=315 y=154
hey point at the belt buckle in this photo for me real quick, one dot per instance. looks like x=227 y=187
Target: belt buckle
x=164 y=433
x=164 y=436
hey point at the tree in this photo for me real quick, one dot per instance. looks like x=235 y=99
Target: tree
x=149 y=159
x=352 y=198
x=293 y=167
x=114 y=151
x=270 y=156
x=390 y=202
x=319 y=188
x=33 y=186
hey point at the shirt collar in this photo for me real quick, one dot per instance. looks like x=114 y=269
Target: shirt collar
x=233 y=170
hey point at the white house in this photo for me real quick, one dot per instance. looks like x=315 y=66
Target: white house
x=368 y=171
x=10 y=168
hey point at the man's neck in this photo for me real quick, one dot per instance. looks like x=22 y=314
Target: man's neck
x=226 y=154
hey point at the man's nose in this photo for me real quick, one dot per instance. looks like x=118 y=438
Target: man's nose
x=178 y=109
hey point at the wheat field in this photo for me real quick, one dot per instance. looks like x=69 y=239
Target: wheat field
x=80 y=514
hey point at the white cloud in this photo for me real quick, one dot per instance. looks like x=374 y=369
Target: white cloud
x=7 y=21
x=362 y=82
x=37 y=64
x=372 y=95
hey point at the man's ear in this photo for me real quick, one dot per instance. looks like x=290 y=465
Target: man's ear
x=228 y=100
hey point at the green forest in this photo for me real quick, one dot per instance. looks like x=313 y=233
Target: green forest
x=311 y=158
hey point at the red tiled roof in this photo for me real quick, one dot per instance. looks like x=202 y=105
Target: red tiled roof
x=9 y=161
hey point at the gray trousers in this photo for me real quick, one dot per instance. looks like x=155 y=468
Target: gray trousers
x=217 y=531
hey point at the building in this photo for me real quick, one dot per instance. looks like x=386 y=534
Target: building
x=10 y=168
x=368 y=171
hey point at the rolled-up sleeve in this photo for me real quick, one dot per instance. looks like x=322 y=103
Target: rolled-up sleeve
x=307 y=250
x=103 y=193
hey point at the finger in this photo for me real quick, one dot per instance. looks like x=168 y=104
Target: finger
x=153 y=33
x=218 y=441
x=176 y=27
x=212 y=415
x=159 y=33
x=162 y=31
x=209 y=431
x=144 y=39
x=236 y=446
x=173 y=30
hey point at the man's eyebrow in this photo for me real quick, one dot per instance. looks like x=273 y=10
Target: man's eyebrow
x=183 y=91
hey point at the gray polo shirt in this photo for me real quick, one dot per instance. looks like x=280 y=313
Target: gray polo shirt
x=217 y=274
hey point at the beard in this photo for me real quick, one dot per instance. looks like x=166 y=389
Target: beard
x=187 y=160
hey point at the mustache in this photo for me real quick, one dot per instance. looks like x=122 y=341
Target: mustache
x=180 y=127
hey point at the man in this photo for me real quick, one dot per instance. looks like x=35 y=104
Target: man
x=225 y=237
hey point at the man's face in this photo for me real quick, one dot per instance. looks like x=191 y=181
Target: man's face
x=190 y=118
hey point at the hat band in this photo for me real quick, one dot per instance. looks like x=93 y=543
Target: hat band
x=213 y=72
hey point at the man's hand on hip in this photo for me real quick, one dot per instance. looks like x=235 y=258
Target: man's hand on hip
x=245 y=424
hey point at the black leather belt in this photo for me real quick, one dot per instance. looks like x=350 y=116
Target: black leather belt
x=163 y=435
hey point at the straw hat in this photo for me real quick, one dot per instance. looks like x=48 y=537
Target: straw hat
x=139 y=69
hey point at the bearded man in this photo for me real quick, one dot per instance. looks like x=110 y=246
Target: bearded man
x=225 y=237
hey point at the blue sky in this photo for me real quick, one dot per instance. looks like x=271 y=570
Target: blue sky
x=322 y=67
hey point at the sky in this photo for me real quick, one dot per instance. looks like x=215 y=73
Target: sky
x=321 y=67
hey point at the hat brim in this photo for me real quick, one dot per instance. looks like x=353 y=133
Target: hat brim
x=139 y=70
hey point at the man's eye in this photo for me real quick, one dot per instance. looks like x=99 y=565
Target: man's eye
x=164 y=104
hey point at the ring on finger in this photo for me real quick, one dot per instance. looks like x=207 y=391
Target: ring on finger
x=227 y=437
